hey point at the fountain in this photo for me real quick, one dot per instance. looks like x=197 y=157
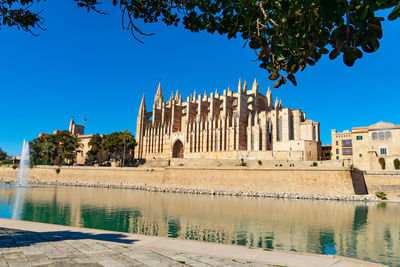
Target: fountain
x=24 y=165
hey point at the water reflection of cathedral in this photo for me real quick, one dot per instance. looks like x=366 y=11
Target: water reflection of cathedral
x=365 y=231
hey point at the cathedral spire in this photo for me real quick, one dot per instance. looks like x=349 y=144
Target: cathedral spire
x=269 y=98
x=159 y=94
x=276 y=103
x=240 y=86
x=194 y=95
x=177 y=95
x=255 y=86
x=142 y=108
x=159 y=98
x=245 y=86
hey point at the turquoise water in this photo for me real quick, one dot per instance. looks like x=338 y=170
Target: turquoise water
x=367 y=231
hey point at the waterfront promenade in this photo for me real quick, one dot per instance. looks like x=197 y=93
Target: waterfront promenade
x=25 y=243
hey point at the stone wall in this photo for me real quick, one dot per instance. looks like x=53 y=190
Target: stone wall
x=314 y=180
x=383 y=181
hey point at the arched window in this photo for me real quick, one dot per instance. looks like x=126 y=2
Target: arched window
x=374 y=136
x=381 y=135
x=388 y=135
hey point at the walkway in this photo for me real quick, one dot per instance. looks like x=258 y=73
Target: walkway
x=25 y=243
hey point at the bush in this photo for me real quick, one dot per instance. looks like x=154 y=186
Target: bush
x=243 y=163
x=381 y=195
x=14 y=166
x=396 y=164
x=314 y=164
x=58 y=170
x=260 y=162
x=382 y=162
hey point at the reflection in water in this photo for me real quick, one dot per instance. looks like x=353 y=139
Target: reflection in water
x=360 y=216
x=365 y=231
x=18 y=202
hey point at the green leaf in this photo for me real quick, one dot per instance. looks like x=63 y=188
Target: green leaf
x=348 y=56
x=395 y=13
x=278 y=83
x=274 y=76
x=292 y=79
x=334 y=54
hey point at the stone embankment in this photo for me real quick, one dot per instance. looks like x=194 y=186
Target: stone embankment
x=211 y=192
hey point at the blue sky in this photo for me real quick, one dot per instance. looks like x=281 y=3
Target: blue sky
x=84 y=65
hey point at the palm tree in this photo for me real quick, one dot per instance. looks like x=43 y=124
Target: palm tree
x=48 y=151
x=126 y=136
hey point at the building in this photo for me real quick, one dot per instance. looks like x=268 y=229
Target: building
x=366 y=145
x=245 y=124
x=78 y=131
x=326 y=152
x=342 y=145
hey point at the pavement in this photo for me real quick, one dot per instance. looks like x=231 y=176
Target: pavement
x=24 y=243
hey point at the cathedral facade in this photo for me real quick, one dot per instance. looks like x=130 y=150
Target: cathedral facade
x=233 y=125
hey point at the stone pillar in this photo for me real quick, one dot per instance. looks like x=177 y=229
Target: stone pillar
x=285 y=124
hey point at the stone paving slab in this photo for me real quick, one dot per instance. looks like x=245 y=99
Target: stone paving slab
x=25 y=243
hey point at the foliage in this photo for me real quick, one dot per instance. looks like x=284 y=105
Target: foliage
x=58 y=170
x=382 y=162
x=96 y=149
x=286 y=35
x=14 y=166
x=396 y=164
x=116 y=143
x=3 y=155
x=259 y=162
x=126 y=136
x=381 y=195
x=314 y=164
x=243 y=163
x=6 y=162
x=54 y=148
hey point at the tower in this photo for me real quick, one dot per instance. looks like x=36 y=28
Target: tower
x=140 y=127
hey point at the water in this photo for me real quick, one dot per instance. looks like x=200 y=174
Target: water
x=367 y=231
x=24 y=165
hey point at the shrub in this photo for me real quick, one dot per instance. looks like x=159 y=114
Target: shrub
x=381 y=195
x=396 y=164
x=243 y=163
x=58 y=170
x=382 y=162
x=314 y=164
x=259 y=162
x=14 y=166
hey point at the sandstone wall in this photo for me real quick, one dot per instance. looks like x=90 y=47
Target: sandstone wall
x=385 y=181
x=235 y=178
